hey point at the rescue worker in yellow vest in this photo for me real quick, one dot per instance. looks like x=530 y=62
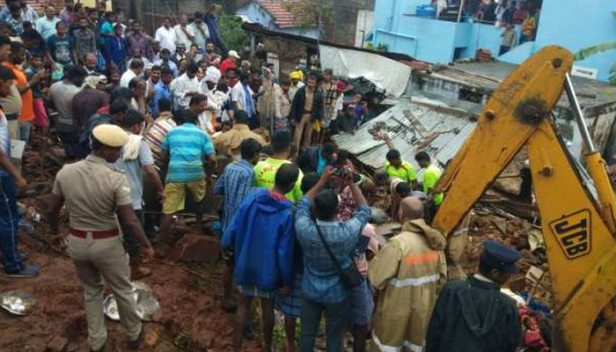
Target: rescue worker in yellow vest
x=408 y=273
x=96 y=196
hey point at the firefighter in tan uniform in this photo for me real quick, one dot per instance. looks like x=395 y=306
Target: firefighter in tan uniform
x=407 y=272
x=96 y=196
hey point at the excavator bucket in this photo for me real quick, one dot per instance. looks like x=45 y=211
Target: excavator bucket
x=580 y=247
x=512 y=114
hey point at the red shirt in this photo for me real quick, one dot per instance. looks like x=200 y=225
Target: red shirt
x=225 y=65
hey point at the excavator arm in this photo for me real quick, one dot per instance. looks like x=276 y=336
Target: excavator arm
x=578 y=230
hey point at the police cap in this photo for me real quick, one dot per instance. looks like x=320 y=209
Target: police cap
x=110 y=135
x=500 y=257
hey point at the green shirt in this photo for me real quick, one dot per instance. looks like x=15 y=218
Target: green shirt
x=405 y=172
x=430 y=178
x=265 y=176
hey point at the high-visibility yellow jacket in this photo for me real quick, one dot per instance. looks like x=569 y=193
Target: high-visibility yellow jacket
x=407 y=272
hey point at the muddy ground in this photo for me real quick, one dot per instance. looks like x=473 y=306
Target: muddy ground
x=192 y=318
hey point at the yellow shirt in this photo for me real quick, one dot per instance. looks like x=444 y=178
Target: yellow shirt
x=405 y=172
x=431 y=176
x=528 y=26
x=265 y=176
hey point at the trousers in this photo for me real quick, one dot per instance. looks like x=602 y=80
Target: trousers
x=106 y=259
x=303 y=132
x=133 y=246
x=9 y=222
x=335 y=321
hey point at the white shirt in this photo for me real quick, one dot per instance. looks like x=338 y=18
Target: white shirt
x=126 y=78
x=181 y=37
x=238 y=95
x=166 y=38
x=201 y=36
x=183 y=85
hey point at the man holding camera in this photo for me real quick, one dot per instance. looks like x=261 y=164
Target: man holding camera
x=327 y=245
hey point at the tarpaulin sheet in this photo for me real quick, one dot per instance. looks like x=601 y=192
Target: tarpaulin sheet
x=386 y=73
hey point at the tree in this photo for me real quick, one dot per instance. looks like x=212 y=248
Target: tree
x=596 y=49
x=231 y=31
x=311 y=13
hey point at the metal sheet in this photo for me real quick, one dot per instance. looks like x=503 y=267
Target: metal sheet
x=410 y=135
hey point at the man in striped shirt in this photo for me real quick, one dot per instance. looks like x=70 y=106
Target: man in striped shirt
x=157 y=133
x=187 y=148
x=234 y=184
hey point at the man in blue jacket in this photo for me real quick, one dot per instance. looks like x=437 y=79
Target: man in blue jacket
x=261 y=235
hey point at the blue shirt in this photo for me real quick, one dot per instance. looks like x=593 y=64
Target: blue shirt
x=187 y=146
x=46 y=27
x=160 y=91
x=250 y=109
x=61 y=49
x=322 y=282
x=36 y=90
x=234 y=184
x=115 y=51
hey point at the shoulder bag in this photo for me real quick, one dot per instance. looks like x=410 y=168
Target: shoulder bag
x=350 y=277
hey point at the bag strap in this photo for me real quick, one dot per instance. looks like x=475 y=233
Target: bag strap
x=329 y=250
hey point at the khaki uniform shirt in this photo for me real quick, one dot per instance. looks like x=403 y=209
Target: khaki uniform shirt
x=92 y=192
x=309 y=100
x=230 y=142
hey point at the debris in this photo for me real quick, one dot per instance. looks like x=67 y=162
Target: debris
x=147 y=304
x=151 y=338
x=196 y=248
x=57 y=344
x=378 y=216
x=17 y=302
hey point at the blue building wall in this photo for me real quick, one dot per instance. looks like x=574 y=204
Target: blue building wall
x=257 y=14
x=576 y=25
x=573 y=24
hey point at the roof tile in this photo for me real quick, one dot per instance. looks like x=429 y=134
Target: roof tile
x=283 y=17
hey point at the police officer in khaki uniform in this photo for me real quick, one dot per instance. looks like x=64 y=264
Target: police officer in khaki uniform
x=96 y=196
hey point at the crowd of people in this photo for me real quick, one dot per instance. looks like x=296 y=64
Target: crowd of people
x=505 y=14
x=144 y=120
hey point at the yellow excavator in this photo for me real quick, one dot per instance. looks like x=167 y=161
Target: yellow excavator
x=578 y=224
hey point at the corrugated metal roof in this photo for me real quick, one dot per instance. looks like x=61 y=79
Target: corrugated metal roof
x=412 y=127
x=489 y=75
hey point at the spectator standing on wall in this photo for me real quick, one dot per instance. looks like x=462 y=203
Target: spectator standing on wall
x=510 y=39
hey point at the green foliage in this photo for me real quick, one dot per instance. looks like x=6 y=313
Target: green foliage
x=596 y=49
x=383 y=47
x=593 y=50
x=231 y=31
x=312 y=13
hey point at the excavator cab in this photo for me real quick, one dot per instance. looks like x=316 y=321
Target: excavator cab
x=577 y=216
